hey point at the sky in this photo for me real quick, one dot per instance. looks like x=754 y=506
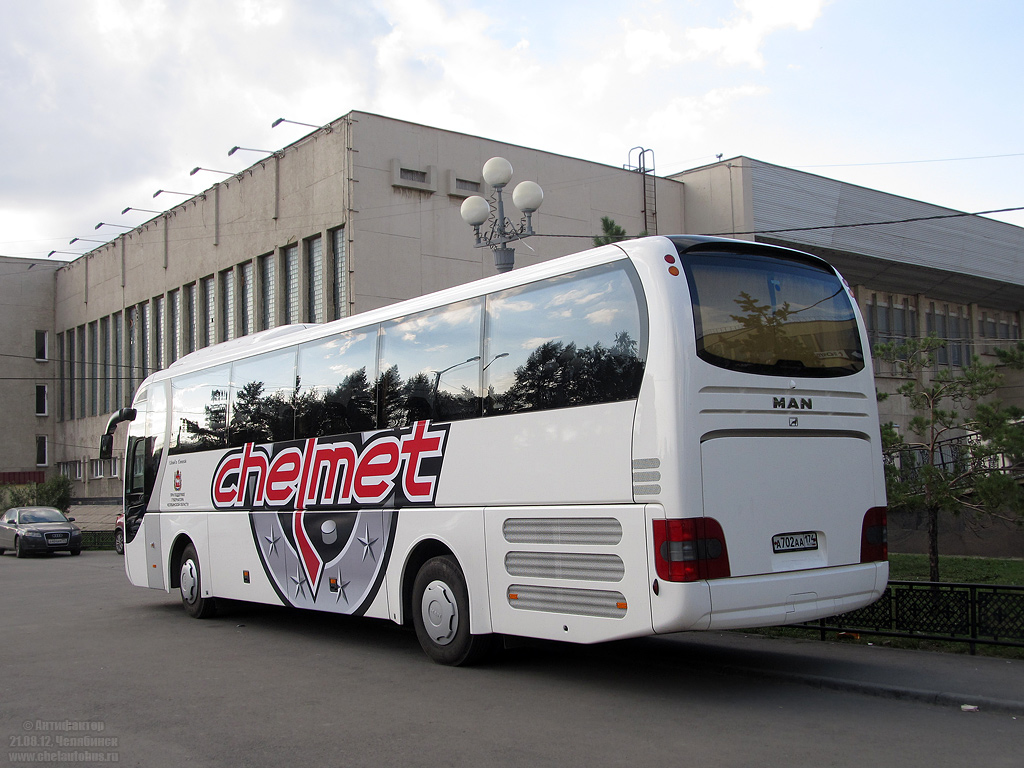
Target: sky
x=105 y=101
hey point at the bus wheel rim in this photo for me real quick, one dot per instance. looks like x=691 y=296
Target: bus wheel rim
x=440 y=612
x=188 y=581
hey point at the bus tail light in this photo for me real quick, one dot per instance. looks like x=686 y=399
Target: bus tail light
x=690 y=549
x=874 y=536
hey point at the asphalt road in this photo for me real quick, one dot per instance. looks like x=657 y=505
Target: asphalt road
x=261 y=686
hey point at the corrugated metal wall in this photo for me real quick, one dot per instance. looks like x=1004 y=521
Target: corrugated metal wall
x=785 y=198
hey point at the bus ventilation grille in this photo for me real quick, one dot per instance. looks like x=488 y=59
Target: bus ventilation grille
x=577 y=602
x=565 y=565
x=562 y=530
x=646 y=477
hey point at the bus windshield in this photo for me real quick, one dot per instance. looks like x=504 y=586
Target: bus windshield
x=759 y=313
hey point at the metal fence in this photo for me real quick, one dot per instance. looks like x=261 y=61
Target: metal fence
x=97 y=539
x=960 y=613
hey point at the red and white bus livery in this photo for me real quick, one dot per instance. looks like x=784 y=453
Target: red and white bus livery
x=663 y=435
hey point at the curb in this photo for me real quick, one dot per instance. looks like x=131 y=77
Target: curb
x=880 y=690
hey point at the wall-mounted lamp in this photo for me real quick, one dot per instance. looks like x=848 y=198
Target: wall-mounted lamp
x=527 y=197
x=293 y=122
x=197 y=169
x=250 y=149
x=172 y=192
x=74 y=240
x=69 y=253
x=145 y=210
x=105 y=224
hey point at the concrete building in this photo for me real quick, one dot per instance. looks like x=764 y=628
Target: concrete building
x=27 y=384
x=364 y=212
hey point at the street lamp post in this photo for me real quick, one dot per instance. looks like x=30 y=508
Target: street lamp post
x=527 y=197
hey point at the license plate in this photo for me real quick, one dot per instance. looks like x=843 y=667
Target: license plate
x=58 y=540
x=794 y=542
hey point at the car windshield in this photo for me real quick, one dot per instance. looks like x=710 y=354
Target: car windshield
x=42 y=516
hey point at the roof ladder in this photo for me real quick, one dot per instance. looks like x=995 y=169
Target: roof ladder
x=644 y=165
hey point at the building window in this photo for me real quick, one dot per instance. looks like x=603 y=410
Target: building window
x=131 y=320
x=267 y=292
x=998 y=329
x=42 y=404
x=247 y=316
x=42 y=347
x=42 y=455
x=80 y=371
x=174 y=321
x=340 y=273
x=291 y=284
x=105 y=364
x=227 y=304
x=158 y=333
x=61 y=372
x=950 y=323
x=209 y=312
x=315 y=271
x=94 y=369
x=145 y=343
x=117 y=373
x=190 y=328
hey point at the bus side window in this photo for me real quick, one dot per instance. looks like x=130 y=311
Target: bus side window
x=577 y=339
x=430 y=365
x=262 y=395
x=334 y=384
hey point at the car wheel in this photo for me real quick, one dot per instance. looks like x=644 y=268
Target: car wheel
x=75 y=552
x=18 y=550
x=440 y=614
x=119 y=541
x=191 y=587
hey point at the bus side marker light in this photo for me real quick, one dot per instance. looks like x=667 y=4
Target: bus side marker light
x=674 y=271
x=245 y=577
x=513 y=595
x=621 y=606
x=670 y=259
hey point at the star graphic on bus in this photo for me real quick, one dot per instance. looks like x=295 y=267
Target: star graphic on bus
x=272 y=540
x=367 y=543
x=341 y=588
x=300 y=582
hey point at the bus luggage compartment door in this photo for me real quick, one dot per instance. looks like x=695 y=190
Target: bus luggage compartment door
x=788 y=503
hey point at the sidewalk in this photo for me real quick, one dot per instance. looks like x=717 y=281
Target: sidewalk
x=94 y=517
x=947 y=679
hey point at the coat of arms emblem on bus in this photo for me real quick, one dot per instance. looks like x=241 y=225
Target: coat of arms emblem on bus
x=323 y=510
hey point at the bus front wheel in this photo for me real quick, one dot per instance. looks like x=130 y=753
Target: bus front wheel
x=191 y=586
x=440 y=614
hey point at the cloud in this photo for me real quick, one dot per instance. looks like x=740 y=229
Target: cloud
x=740 y=39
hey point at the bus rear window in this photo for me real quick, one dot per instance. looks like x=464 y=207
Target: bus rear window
x=766 y=314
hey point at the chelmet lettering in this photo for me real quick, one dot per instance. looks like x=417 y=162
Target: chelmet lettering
x=397 y=468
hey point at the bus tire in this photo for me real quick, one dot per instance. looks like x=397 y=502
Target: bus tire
x=191 y=587
x=440 y=614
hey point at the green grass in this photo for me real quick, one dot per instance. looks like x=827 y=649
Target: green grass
x=964 y=570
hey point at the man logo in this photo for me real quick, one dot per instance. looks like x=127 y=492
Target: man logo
x=792 y=404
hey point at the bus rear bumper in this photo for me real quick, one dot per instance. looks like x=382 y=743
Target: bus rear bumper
x=796 y=596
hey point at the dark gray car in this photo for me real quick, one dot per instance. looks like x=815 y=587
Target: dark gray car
x=38 y=529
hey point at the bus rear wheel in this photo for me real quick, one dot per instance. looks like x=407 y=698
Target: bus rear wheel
x=190 y=584
x=440 y=614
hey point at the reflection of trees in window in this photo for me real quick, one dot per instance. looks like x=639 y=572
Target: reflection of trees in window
x=347 y=407
x=559 y=375
x=421 y=397
x=259 y=418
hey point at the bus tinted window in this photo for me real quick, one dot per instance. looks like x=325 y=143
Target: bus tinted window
x=262 y=393
x=758 y=313
x=335 y=384
x=199 y=410
x=430 y=365
x=576 y=339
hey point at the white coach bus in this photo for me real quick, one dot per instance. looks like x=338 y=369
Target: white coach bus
x=668 y=434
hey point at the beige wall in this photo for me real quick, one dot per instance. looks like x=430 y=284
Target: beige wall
x=402 y=239
x=26 y=305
